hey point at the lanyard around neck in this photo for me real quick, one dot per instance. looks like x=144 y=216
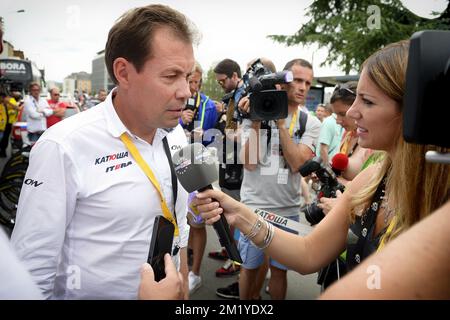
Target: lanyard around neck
x=292 y=125
x=150 y=175
x=197 y=104
x=347 y=140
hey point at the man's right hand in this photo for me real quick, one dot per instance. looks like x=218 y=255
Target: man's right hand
x=244 y=105
x=187 y=116
x=169 y=288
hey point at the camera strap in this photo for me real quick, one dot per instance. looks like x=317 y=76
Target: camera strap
x=203 y=106
x=151 y=176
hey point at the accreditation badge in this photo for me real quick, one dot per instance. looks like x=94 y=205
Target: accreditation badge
x=283 y=175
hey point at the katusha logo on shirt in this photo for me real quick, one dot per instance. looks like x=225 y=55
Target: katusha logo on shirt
x=111 y=157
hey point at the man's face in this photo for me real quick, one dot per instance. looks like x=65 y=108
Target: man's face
x=298 y=89
x=102 y=95
x=321 y=113
x=158 y=93
x=228 y=84
x=195 y=81
x=54 y=95
x=35 y=91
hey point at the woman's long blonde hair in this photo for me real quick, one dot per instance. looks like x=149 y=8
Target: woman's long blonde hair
x=415 y=186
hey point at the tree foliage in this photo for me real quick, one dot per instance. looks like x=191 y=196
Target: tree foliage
x=346 y=28
x=210 y=87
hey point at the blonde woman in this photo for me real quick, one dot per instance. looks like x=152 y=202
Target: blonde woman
x=380 y=203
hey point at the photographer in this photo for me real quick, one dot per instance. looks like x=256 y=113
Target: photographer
x=382 y=201
x=271 y=179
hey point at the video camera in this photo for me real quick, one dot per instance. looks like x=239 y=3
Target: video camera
x=267 y=103
x=329 y=186
x=426 y=102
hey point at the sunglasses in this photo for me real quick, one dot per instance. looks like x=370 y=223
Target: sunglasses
x=222 y=81
x=343 y=90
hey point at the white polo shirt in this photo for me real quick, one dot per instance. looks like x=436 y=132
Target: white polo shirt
x=36 y=112
x=86 y=209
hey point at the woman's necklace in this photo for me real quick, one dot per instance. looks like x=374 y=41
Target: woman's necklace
x=388 y=211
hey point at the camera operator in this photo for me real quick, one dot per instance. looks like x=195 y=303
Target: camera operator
x=271 y=179
x=383 y=200
x=200 y=113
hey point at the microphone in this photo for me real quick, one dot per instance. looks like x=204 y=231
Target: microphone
x=339 y=163
x=196 y=169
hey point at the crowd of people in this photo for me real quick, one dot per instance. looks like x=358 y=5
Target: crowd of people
x=106 y=173
x=39 y=112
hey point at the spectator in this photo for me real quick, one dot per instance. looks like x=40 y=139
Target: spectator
x=58 y=107
x=101 y=95
x=323 y=111
x=9 y=111
x=330 y=138
x=36 y=111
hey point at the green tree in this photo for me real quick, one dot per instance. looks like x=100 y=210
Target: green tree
x=352 y=30
x=210 y=87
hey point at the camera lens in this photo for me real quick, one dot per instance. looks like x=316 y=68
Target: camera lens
x=313 y=213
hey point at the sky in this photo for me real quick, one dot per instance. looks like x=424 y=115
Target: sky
x=64 y=36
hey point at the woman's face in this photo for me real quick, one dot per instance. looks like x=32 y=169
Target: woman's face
x=340 y=109
x=378 y=117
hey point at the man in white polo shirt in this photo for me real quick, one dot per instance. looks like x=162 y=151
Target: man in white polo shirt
x=86 y=210
x=36 y=110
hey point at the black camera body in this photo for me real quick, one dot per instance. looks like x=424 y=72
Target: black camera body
x=266 y=103
x=329 y=186
x=426 y=89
